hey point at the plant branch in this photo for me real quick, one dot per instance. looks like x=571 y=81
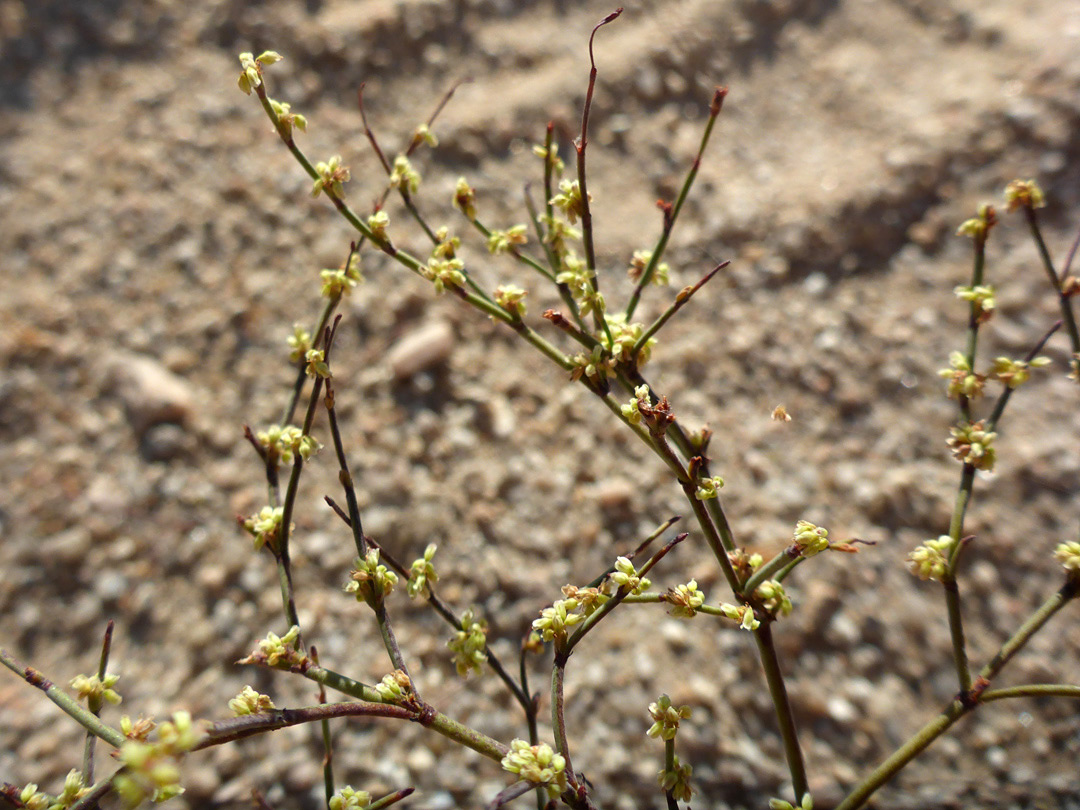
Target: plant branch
x=67 y=704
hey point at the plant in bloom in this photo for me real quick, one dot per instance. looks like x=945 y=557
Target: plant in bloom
x=251 y=73
x=538 y=765
x=511 y=298
x=74 y=789
x=152 y=770
x=569 y=201
x=632 y=410
x=349 y=799
x=979 y=226
x=281 y=442
x=676 y=781
x=338 y=283
x=589 y=599
x=378 y=223
x=423 y=134
x=627 y=578
x=403 y=176
x=931 y=559
x=807 y=803
x=666 y=718
x=1068 y=554
x=810 y=539
x=286 y=119
x=640 y=261
x=555 y=621
x=773 y=597
x=331 y=176
x=1024 y=194
x=265 y=527
x=503 y=241
x=973 y=444
x=316 y=363
x=395 y=688
x=277 y=649
x=550 y=156
x=299 y=343
x=94 y=688
x=624 y=335
x=444 y=273
x=743 y=614
x=422 y=574
x=708 y=488
x=982 y=300
x=1015 y=373
x=962 y=379
x=370 y=580
x=250 y=702
x=469 y=645
x=465 y=199
x=684 y=599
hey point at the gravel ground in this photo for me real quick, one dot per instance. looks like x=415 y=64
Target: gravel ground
x=158 y=243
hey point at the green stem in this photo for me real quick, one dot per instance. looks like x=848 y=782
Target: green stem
x=957 y=709
x=680 y=301
x=766 y=571
x=1063 y=300
x=94 y=704
x=785 y=717
x=669 y=766
x=903 y=755
x=439 y=722
x=669 y=219
x=1031 y=690
x=1034 y=622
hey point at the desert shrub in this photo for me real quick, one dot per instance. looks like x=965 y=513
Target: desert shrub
x=599 y=348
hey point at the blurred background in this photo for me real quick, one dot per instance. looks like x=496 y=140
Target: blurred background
x=158 y=243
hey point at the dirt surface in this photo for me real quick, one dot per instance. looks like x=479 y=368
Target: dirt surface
x=158 y=242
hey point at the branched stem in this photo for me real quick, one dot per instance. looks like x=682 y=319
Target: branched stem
x=672 y=214
x=1056 y=281
x=68 y=704
x=94 y=705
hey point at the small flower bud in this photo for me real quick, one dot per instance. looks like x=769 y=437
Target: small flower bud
x=250 y=702
x=403 y=176
x=677 y=780
x=666 y=718
x=469 y=645
x=931 y=559
x=316 y=363
x=349 y=799
x=981 y=298
x=465 y=199
x=511 y=298
x=810 y=539
x=424 y=134
x=1024 y=194
x=395 y=688
x=743 y=614
x=537 y=764
x=1068 y=554
x=709 y=488
x=422 y=574
x=331 y=176
x=1015 y=373
x=370 y=580
x=94 y=688
x=378 y=223
x=972 y=444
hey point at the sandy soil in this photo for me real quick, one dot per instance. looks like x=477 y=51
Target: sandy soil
x=157 y=244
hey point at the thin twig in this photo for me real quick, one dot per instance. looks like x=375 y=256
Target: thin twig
x=94 y=704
